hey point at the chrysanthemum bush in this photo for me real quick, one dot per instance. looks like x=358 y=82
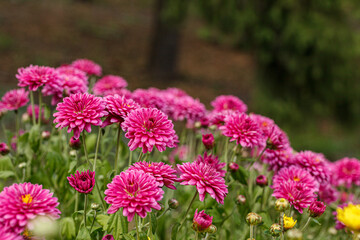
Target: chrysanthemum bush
x=103 y=162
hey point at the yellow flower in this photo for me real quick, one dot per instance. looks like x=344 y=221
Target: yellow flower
x=288 y=222
x=350 y=216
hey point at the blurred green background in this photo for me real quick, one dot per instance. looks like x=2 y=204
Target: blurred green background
x=294 y=61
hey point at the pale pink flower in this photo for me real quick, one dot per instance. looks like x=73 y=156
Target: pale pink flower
x=15 y=99
x=37 y=76
x=87 y=66
x=109 y=83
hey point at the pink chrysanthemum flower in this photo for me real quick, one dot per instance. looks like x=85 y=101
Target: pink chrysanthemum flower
x=37 y=76
x=71 y=71
x=79 y=112
x=187 y=108
x=316 y=209
x=242 y=129
x=118 y=108
x=121 y=92
x=22 y=202
x=228 y=102
x=213 y=161
x=205 y=178
x=266 y=124
x=314 y=163
x=346 y=171
x=218 y=118
x=201 y=221
x=108 y=84
x=150 y=98
x=135 y=191
x=87 y=66
x=328 y=193
x=15 y=99
x=278 y=159
x=149 y=127
x=6 y=234
x=163 y=173
x=208 y=140
x=295 y=174
x=181 y=153
x=83 y=182
x=4 y=149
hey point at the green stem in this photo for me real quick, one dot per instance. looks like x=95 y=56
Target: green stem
x=137 y=227
x=196 y=236
x=226 y=154
x=130 y=158
x=76 y=201
x=93 y=220
x=97 y=149
x=140 y=156
x=187 y=211
x=117 y=149
x=85 y=150
x=85 y=207
x=40 y=103
x=282 y=225
x=17 y=128
x=251 y=232
x=32 y=106
x=262 y=199
x=306 y=224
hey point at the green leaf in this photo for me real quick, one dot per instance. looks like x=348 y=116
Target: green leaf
x=118 y=224
x=316 y=221
x=127 y=236
x=241 y=175
x=5 y=164
x=153 y=222
x=175 y=231
x=6 y=174
x=266 y=219
x=67 y=226
x=72 y=166
x=103 y=220
x=34 y=138
x=83 y=234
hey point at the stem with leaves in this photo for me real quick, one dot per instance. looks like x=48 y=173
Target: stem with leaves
x=187 y=211
x=32 y=106
x=117 y=149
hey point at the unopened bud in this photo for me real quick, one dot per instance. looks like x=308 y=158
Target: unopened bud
x=294 y=234
x=75 y=143
x=197 y=124
x=208 y=141
x=282 y=205
x=25 y=118
x=22 y=165
x=316 y=209
x=275 y=230
x=241 y=199
x=72 y=153
x=253 y=218
x=45 y=135
x=233 y=166
x=95 y=206
x=212 y=229
x=173 y=203
x=262 y=181
x=4 y=149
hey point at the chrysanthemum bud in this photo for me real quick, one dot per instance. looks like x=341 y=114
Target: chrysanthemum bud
x=72 y=153
x=95 y=206
x=208 y=141
x=45 y=135
x=233 y=166
x=25 y=118
x=253 y=218
x=212 y=229
x=201 y=221
x=289 y=222
x=75 y=143
x=316 y=209
x=173 y=203
x=108 y=237
x=294 y=234
x=4 y=149
x=275 y=230
x=22 y=165
x=262 y=181
x=197 y=124
x=240 y=199
x=282 y=205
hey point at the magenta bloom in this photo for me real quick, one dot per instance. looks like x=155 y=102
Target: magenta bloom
x=278 y=159
x=15 y=99
x=328 y=193
x=23 y=202
x=261 y=181
x=316 y=209
x=314 y=163
x=36 y=76
x=201 y=221
x=163 y=173
x=213 y=161
x=205 y=178
x=218 y=118
x=6 y=234
x=108 y=237
x=4 y=149
x=79 y=112
x=108 y=84
x=121 y=92
x=228 y=102
x=295 y=174
x=346 y=172
x=208 y=141
x=118 y=108
x=266 y=124
x=83 y=182
x=135 y=191
x=149 y=127
x=71 y=71
x=87 y=66
x=242 y=129
x=186 y=108
x=180 y=153
x=150 y=98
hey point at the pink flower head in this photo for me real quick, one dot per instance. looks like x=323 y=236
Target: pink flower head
x=22 y=202
x=316 y=209
x=266 y=124
x=218 y=118
x=109 y=83
x=295 y=174
x=213 y=161
x=69 y=84
x=187 y=108
x=4 y=149
x=36 y=110
x=205 y=178
x=314 y=163
x=180 y=152
x=71 y=71
x=346 y=172
x=6 y=234
x=228 y=102
x=261 y=181
x=121 y=92
x=163 y=173
x=328 y=193
x=108 y=237
x=78 y=112
x=87 y=66
x=118 y=108
x=149 y=127
x=149 y=98
x=135 y=191
x=15 y=99
x=83 y=182
x=201 y=221
x=278 y=159
x=277 y=139
x=242 y=129
x=208 y=140
x=37 y=76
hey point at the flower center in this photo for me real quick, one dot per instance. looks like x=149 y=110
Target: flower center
x=296 y=179
x=27 y=199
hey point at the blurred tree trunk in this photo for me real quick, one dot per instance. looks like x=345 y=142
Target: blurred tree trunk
x=169 y=16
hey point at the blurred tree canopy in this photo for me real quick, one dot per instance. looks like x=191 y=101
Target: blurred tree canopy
x=307 y=51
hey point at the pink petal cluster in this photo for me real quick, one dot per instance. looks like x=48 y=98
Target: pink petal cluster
x=228 y=102
x=213 y=161
x=218 y=118
x=208 y=140
x=314 y=163
x=346 y=172
x=206 y=179
x=87 y=66
x=296 y=185
x=78 y=112
x=278 y=159
x=135 y=191
x=4 y=149
x=83 y=182
x=266 y=124
x=37 y=76
x=14 y=99
x=242 y=129
x=180 y=153
x=328 y=193
x=71 y=71
x=149 y=98
x=185 y=107
x=163 y=173
x=22 y=202
x=316 y=209
x=118 y=108
x=109 y=83
x=121 y=92
x=149 y=127
x=201 y=221
x=6 y=234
